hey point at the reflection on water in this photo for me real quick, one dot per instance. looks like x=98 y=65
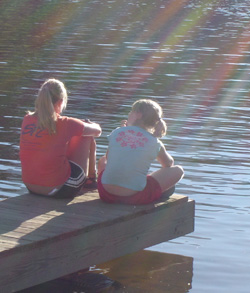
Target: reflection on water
x=139 y=272
x=192 y=56
x=148 y=271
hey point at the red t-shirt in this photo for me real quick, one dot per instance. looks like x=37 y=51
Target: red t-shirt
x=43 y=156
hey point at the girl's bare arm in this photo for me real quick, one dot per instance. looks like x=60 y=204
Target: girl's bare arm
x=92 y=129
x=164 y=158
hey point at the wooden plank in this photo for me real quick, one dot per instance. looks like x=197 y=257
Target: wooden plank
x=46 y=239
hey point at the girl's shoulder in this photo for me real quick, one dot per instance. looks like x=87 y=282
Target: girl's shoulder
x=133 y=134
x=68 y=119
x=30 y=117
x=132 y=130
x=69 y=122
x=123 y=129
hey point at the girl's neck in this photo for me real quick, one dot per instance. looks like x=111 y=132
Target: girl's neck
x=138 y=124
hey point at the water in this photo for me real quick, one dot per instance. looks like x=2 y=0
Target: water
x=193 y=58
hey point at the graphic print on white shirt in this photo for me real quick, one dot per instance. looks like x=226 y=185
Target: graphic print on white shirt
x=131 y=138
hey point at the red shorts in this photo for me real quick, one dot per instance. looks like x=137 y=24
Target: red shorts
x=150 y=193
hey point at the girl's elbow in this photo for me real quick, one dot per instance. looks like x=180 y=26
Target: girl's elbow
x=99 y=132
x=169 y=163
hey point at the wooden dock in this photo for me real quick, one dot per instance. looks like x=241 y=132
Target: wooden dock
x=43 y=239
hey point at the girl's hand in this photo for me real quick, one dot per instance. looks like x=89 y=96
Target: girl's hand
x=124 y=123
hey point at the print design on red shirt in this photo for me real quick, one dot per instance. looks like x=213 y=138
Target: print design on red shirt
x=33 y=130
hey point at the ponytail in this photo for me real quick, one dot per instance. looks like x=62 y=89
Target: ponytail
x=160 y=128
x=50 y=92
x=45 y=110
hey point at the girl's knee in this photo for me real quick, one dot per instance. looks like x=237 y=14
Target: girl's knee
x=179 y=170
x=89 y=138
x=78 y=140
x=86 y=141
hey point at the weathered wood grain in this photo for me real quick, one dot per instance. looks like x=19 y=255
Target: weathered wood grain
x=43 y=238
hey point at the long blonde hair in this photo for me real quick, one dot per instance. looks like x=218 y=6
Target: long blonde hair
x=151 y=116
x=50 y=92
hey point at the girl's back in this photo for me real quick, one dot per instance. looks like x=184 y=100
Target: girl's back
x=134 y=149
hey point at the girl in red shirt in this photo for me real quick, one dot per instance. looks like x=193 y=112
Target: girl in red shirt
x=57 y=152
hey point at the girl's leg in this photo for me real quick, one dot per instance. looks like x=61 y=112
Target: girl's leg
x=168 y=177
x=92 y=159
x=91 y=182
x=81 y=150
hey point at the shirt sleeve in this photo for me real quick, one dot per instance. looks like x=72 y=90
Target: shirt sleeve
x=75 y=127
x=109 y=136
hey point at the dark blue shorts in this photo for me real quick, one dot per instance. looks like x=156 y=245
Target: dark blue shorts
x=74 y=184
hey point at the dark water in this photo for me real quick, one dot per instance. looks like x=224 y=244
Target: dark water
x=191 y=56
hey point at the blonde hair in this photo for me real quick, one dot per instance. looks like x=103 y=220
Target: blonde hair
x=50 y=93
x=151 y=116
